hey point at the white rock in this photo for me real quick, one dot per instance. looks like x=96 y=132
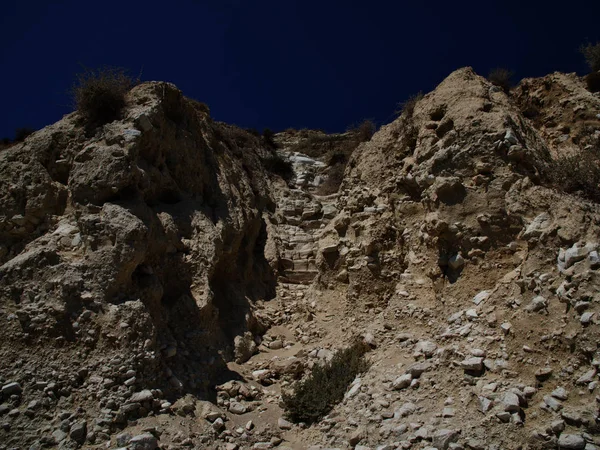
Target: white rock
x=237 y=408
x=144 y=441
x=482 y=296
x=402 y=382
x=510 y=401
x=540 y=224
x=586 y=318
x=571 y=441
x=443 y=438
x=472 y=364
x=552 y=403
x=537 y=304
x=405 y=410
x=425 y=348
x=284 y=424
x=472 y=313
x=505 y=327
x=456 y=262
x=587 y=377
x=560 y=393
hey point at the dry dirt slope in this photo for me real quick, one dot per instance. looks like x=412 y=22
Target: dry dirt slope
x=134 y=257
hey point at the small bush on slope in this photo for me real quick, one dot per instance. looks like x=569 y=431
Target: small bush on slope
x=502 y=78
x=100 y=94
x=365 y=131
x=578 y=174
x=593 y=81
x=407 y=107
x=591 y=53
x=326 y=385
x=279 y=166
x=22 y=133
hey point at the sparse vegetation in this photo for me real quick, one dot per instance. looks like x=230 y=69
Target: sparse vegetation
x=100 y=94
x=268 y=138
x=407 y=108
x=365 y=131
x=5 y=143
x=593 y=81
x=578 y=174
x=22 y=133
x=335 y=176
x=199 y=106
x=591 y=53
x=279 y=166
x=502 y=78
x=326 y=385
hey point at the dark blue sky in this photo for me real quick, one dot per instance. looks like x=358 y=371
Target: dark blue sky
x=284 y=63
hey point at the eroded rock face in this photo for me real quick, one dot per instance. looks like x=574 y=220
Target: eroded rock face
x=141 y=242
x=124 y=291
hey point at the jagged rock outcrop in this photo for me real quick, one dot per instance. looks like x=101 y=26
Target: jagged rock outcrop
x=131 y=253
x=449 y=231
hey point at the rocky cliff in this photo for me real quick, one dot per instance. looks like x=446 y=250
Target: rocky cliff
x=160 y=287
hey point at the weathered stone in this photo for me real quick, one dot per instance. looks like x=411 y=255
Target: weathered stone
x=443 y=438
x=552 y=403
x=417 y=369
x=284 y=424
x=402 y=382
x=237 y=408
x=456 y=262
x=142 y=396
x=587 y=377
x=481 y=297
x=11 y=389
x=560 y=393
x=78 y=432
x=474 y=364
x=145 y=441
x=537 y=304
x=510 y=402
x=425 y=348
x=538 y=226
x=571 y=441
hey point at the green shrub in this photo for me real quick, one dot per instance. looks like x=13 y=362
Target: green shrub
x=269 y=138
x=279 y=166
x=578 y=174
x=334 y=179
x=365 y=131
x=100 y=94
x=5 y=143
x=593 y=81
x=591 y=53
x=407 y=107
x=502 y=78
x=22 y=133
x=314 y=397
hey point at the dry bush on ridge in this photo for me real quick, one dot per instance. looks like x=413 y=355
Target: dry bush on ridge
x=591 y=53
x=502 y=78
x=578 y=174
x=407 y=107
x=22 y=133
x=100 y=94
x=593 y=81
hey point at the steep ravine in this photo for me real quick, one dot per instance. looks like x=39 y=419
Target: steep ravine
x=159 y=287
